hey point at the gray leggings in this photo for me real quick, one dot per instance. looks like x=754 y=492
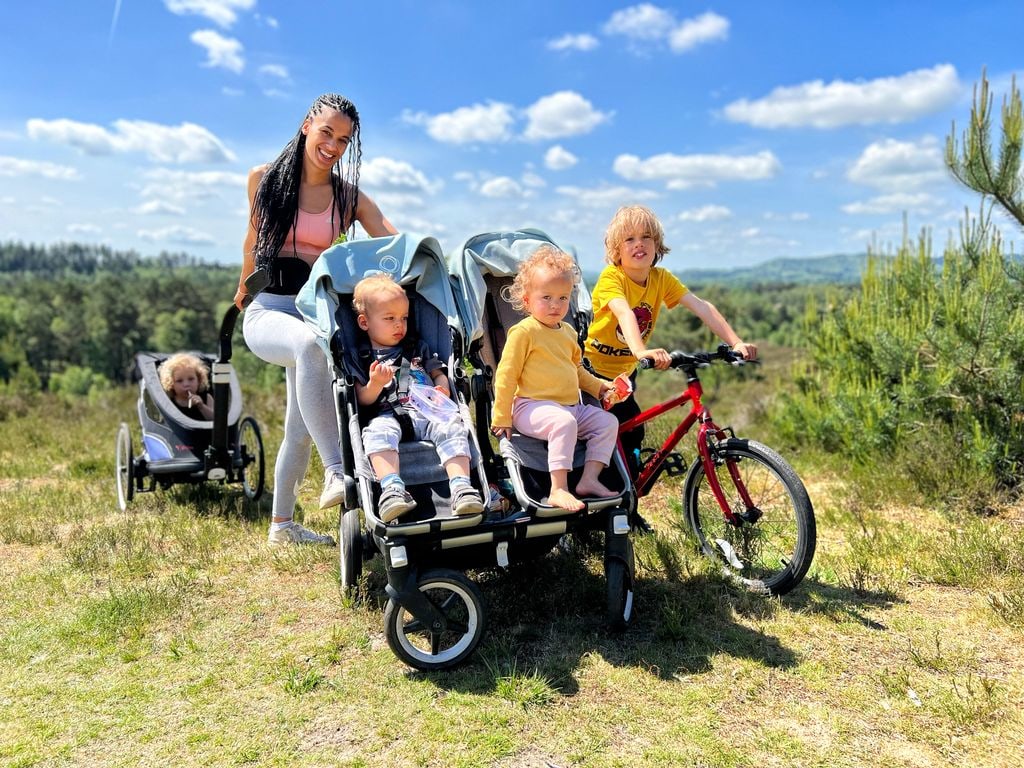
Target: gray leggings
x=275 y=332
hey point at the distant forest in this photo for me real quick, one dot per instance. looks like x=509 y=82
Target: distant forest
x=72 y=316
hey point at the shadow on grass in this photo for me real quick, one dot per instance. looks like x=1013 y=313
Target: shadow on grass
x=840 y=604
x=546 y=619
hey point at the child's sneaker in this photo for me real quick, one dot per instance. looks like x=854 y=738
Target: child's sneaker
x=467 y=501
x=293 y=533
x=394 y=502
x=334 y=490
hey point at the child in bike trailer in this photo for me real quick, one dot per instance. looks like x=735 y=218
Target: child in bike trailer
x=540 y=375
x=393 y=361
x=186 y=382
x=627 y=299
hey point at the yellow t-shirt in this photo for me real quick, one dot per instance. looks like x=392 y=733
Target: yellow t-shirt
x=540 y=363
x=606 y=348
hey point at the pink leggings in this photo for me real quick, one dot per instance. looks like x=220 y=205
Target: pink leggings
x=562 y=425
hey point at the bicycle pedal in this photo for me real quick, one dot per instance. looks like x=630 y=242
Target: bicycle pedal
x=674 y=464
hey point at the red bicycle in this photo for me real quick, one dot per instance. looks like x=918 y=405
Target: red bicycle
x=746 y=506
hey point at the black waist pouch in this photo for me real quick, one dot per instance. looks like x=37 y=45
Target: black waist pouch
x=287 y=276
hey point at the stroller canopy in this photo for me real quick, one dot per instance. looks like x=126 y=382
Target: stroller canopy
x=413 y=261
x=498 y=254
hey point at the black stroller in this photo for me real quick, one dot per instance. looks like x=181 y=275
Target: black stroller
x=179 y=449
x=435 y=617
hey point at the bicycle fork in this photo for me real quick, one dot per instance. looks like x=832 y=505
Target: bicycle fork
x=708 y=437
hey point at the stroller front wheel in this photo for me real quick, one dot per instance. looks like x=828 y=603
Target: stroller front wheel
x=428 y=648
x=350 y=550
x=250 y=453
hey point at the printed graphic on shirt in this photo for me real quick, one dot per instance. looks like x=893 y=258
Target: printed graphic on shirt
x=643 y=314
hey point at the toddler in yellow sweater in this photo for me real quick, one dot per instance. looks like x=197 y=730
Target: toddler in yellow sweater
x=540 y=375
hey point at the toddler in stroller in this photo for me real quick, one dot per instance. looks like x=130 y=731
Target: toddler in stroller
x=395 y=361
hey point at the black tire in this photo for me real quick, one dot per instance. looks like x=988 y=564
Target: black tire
x=350 y=550
x=772 y=547
x=459 y=600
x=125 y=472
x=250 y=451
x=619 y=578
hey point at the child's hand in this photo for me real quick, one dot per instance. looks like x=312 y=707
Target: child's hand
x=381 y=373
x=749 y=351
x=660 y=357
x=500 y=432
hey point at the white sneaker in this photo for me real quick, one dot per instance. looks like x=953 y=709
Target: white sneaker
x=293 y=533
x=334 y=490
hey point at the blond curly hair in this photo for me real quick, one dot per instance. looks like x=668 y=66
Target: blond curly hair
x=171 y=365
x=630 y=220
x=371 y=290
x=547 y=257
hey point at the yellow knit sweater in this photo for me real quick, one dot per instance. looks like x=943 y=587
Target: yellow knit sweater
x=540 y=363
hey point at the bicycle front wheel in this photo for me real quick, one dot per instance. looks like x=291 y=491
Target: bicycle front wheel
x=770 y=547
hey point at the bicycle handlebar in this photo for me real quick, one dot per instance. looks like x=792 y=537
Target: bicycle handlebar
x=681 y=359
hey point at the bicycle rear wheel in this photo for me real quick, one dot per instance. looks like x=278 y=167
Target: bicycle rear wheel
x=771 y=546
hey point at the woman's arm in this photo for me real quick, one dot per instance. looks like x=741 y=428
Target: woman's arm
x=373 y=221
x=248 y=258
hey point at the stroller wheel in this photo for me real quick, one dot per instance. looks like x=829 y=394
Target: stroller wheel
x=350 y=550
x=619 y=576
x=250 y=451
x=427 y=648
x=125 y=476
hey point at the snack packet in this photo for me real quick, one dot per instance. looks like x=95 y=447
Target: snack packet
x=622 y=388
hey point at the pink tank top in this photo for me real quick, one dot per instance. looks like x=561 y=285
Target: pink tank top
x=312 y=234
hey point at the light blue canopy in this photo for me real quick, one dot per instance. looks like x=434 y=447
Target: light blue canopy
x=413 y=260
x=498 y=254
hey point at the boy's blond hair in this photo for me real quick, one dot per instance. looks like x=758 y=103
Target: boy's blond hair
x=371 y=290
x=631 y=219
x=179 y=360
x=546 y=257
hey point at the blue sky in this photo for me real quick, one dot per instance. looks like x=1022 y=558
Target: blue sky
x=754 y=130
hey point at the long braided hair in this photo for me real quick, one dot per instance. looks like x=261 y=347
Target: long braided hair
x=276 y=207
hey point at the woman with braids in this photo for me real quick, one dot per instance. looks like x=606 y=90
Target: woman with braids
x=300 y=204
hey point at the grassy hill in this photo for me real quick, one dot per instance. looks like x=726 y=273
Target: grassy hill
x=171 y=635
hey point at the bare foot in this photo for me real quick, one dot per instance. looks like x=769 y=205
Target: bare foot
x=565 y=500
x=593 y=490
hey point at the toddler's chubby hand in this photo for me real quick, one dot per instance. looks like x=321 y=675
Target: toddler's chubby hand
x=501 y=432
x=381 y=372
x=615 y=392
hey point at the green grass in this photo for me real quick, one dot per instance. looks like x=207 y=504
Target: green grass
x=171 y=635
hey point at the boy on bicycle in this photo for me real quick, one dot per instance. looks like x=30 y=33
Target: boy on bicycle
x=627 y=299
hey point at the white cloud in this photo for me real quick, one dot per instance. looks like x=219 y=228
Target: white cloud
x=389 y=175
x=15 y=166
x=645 y=25
x=706 y=213
x=176 y=234
x=224 y=52
x=557 y=158
x=606 y=197
x=185 y=143
x=84 y=229
x=683 y=171
x=222 y=12
x=501 y=186
x=478 y=123
x=569 y=42
x=884 y=100
x=750 y=232
x=275 y=70
x=159 y=207
x=564 y=113
x=705 y=28
x=922 y=202
x=182 y=186
x=896 y=165
x=394 y=201
x=531 y=179
x=640 y=22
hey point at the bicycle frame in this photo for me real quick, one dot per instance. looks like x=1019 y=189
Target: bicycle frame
x=648 y=473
